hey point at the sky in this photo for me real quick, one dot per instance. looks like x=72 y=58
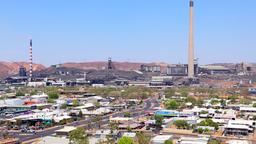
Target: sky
x=127 y=30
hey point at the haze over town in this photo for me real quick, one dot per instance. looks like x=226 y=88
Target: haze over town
x=127 y=72
x=135 y=31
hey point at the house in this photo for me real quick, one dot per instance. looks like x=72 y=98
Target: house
x=152 y=123
x=120 y=119
x=238 y=142
x=205 y=128
x=52 y=140
x=237 y=130
x=193 y=140
x=102 y=135
x=94 y=99
x=99 y=111
x=239 y=127
x=167 y=113
x=130 y=134
x=65 y=131
x=44 y=115
x=36 y=84
x=225 y=114
x=247 y=109
x=190 y=120
x=87 y=106
x=132 y=125
x=160 y=139
x=252 y=90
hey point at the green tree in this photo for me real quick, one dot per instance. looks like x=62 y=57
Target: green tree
x=200 y=130
x=168 y=142
x=214 y=142
x=254 y=117
x=191 y=99
x=50 y=100
x=203 y=112
x=75 y=103
x=5 y=134
x=19 y=93
x=254 y=105
x=209 y=122
x=97 y=104
x=18 y=122
x=206 y=130
x=63 y=106
x=125 y=140
x=214 y=102
x=143 y=138
x=109 y=140
x=129 y=129
x=127 y=114
x=233 y=98
x=159 y=120
x=113 y=126
x=172 y=104
x=53 y=95
x=199 y=102
x=245 y=101
x=78 y=136
x=184 y=91
x=169 y=92
x=97 y=120
x=34 y=92
x=80 y=114
x=181 y=124
x=223 y=102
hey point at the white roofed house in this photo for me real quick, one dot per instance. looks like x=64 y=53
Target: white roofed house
x=40 y=98
x=42 y=95
x=160 y=139
x=239 y=127
x=52 y=140
x=44 y=115
x=99 y=111
x=91 y=109
x=238 y=142
x=130 y=134
x=94 y=99
x=120 y=119
x=228 y=114
x=87 y=106
x=65 y=131
x=102 y=135
x=248 y=111
x=193 y=140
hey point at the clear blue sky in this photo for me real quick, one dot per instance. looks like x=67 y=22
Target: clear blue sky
x=127 y=30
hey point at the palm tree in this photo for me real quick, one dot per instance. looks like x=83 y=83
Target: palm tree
x=78 y=136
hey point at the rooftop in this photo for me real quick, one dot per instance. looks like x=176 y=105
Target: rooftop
x=66 y=129
x=161 y=138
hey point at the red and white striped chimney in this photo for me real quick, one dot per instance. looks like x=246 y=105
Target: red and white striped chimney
x=30 y=61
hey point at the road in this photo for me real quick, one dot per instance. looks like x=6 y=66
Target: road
x=135 y=112
x=148 y=104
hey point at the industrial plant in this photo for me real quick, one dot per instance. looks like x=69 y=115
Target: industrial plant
x=113 y=102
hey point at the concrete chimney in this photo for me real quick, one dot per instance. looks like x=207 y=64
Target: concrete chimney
x=191 y=42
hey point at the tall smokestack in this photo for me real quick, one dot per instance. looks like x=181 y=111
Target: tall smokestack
x=191 y=42
x=30 y=61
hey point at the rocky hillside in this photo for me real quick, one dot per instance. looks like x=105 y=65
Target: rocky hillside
x=12 y=68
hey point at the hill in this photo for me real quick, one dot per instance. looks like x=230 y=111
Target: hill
x=12 y=68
